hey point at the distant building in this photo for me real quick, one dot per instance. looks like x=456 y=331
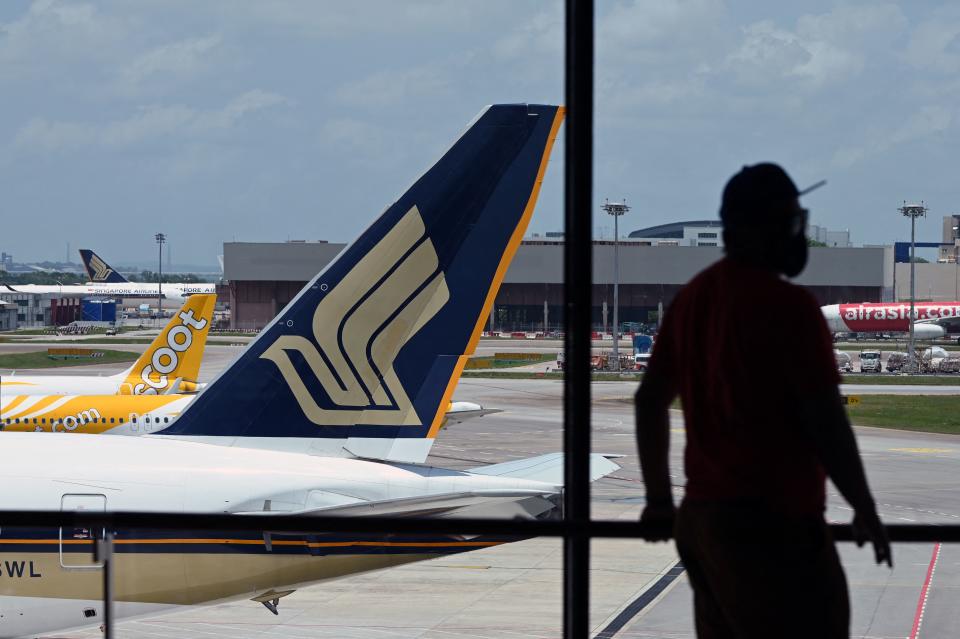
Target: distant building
x=264 y=277
x=6 y=262
x=692 y=233
x=710 y=233
x=36 y=310
x=8 y=316
x=833 y=239
x=950 y=239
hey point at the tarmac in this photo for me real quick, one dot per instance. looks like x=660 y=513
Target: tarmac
x=638 y=591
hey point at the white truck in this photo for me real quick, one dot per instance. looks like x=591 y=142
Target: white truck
x=870 y=361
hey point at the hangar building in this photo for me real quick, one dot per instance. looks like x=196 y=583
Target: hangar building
x=263 y=277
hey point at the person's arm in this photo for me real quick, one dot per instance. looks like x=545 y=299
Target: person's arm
x=827 y=426
x=651 y=406
x=653 y=442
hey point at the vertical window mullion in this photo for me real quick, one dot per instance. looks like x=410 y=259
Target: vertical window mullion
x=578 y=286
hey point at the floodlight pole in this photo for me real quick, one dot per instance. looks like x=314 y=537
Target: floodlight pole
x=160 y=238
x=913 y=211
x=616 y=210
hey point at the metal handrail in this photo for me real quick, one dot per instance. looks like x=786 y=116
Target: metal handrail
x=948 y=533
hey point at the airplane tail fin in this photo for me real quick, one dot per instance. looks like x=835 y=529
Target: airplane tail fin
x=369 y=352
x=98 y=270
x=174 y=356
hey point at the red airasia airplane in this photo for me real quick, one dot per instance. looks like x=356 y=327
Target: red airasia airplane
x=931 y=319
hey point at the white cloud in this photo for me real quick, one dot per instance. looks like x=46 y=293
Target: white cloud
x=822 y=50
x=928 y=122
x=540 y=38
x=352 y=19
x=387 y=88
x=935 y=45
x=151 y=123
x=51 y=31
x=658 y=23
x=176 y=59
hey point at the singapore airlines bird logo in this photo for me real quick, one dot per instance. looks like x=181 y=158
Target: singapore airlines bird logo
x=100 y=269
x=360 y=327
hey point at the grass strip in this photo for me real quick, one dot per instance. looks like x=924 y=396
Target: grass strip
x=926 y=413
x=597 y=377
x=114 y=340
x=902 y=380
x=40 y=359
x=921 y=413
x=891 y=346
x=879 y=380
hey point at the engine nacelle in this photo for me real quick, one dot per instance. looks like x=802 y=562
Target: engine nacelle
x=928 y=331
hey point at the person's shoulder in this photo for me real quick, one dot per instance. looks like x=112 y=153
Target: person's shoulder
x=797 y=304
x=691 y=291
x=705 y=278
x=797 y=294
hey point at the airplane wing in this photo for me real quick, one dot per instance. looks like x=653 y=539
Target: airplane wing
x=480 y=502
x=548 y=468
x=476 y=503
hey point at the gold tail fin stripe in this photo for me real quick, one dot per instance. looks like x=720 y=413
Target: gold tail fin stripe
x=354 y=363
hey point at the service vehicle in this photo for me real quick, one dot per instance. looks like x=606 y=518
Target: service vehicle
x=641 y=361
x=870 y=361
x=844 y=363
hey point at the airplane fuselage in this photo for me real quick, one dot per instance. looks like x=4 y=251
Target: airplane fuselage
x=173 y=293
x=134 y=415
x=46 y=587
x=60 y=384
x=891 y=317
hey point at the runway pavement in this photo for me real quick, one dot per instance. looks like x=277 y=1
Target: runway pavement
x=514 y=590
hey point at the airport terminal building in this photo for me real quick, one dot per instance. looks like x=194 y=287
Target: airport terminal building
x=263 y=277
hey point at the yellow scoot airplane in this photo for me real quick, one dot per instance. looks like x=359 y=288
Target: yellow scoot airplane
x=140 y=400
x=168 y=368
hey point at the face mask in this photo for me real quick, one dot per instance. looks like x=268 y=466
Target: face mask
x=792 y=256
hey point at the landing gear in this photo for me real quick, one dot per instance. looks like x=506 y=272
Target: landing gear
x=272 y=605
x=271 y=599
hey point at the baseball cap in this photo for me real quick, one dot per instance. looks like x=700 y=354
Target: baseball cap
x=758 y=191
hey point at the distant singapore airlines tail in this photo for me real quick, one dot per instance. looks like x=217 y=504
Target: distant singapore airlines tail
x=98 y=270
x=367 y=356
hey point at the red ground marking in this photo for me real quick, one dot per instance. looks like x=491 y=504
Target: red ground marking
x=922 y=603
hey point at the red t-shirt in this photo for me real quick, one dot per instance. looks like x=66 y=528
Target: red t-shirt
x=741 y=346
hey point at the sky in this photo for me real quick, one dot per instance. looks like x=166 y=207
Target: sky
x=228 y=120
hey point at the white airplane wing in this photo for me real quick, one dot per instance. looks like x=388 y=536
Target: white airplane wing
x=463 y=504
x=547 y=468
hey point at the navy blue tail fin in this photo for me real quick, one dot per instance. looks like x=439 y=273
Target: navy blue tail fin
x=98 y=270
x=374 y=345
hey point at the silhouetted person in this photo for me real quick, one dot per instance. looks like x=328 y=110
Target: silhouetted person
x=751 y=358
